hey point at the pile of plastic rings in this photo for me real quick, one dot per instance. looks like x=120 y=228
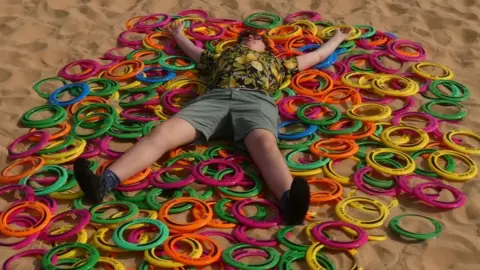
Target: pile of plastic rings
x=150 y=80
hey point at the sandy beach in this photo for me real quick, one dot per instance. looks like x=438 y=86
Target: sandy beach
x=37 y=38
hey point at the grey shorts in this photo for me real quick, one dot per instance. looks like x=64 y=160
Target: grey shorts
x=231 y=113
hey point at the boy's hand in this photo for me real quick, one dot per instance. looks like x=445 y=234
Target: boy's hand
x=343 y=32
x=176 y=28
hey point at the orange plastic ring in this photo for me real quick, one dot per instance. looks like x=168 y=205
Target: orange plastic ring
x=214 y=254
x=336 y=190
x=206 y=214
x=307 y=75
x=41 y=223
x=368 y=129
x=214 y=222
x=149 y=39
x=138 y=66
x=37 y=163
x=64 y=130
x=349 y=149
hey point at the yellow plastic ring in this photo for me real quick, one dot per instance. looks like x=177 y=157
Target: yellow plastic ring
x=393 y=143
x=361 y=84
x=447 y=73
x=384 y=112
x=341 y=212
x=381 y=86
x=434 y=165
x=82 y=237
x=407 y=169
x=306 y=173
x=330 y=173
x=448 y=140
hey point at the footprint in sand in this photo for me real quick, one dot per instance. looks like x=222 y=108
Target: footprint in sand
x=5 y=75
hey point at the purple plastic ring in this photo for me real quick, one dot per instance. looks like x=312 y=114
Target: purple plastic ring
x=226 y=181
x=152 y=178
x=44 y=135
x=358 y=179
x=93 y=66
x=312 y=16
x=84 y=218
x=240 y=233
x=165 y=19
x=237 y=209
x=362 y=236
x=460 y=197
x=430 y=127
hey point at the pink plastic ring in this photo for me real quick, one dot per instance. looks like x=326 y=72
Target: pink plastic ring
x=141 y=23
x=84 y=218
x=414 y=76
x=23 y=221
x=197 y=12
x=28 y=193
x=392 y=45
x=460 y=197
x=237 y=176
x=90 y=151
x=431 y=126
x=358 y=179
x=92 y=65
x=227 y=236
x=135 y=187
x=403 y=181
x=240 y=233
x=362 y=236
x=374 y=60
x=152 y=178
x=26 y=253
x=168 y=96
x=410 y=102
x=237 y=208
x=383 y=100
x=109 y=54
x=49 y=202
x=44 y=135
x=240 y=254
x=129 y=43
x=105 y=148
x=312 y=16
x=129 y=114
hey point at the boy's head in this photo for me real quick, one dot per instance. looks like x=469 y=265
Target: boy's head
x=252 y=40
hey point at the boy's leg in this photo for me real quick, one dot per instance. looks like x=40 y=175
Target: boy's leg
x=199 y=118
x=255 y=121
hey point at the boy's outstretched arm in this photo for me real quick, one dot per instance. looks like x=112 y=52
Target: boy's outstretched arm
x=176 y=30
x=310 y=59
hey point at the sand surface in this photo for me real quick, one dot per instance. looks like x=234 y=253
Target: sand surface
x=38 y=37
